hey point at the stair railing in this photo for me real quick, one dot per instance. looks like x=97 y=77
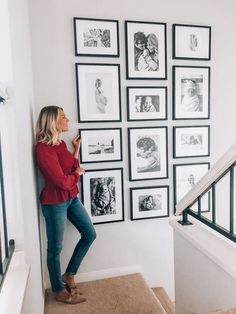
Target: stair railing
x=225 y=166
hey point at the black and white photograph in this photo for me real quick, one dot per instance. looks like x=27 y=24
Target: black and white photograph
x=148 y=153
x=100 y=145
x=191 y=42
x=191 y=141
x=98 y=92
x=96 y=37
x=145 y=50
x=103 y=195
x=186 y=176
x=149 y=202
x=147 y=103
x=191 y=92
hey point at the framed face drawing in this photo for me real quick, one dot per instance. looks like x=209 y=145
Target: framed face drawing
x=149 y=202
x=191 y=141
x=96 y=37
x=103 y=195
x=186 y=176
x=99 y=145
x=98 y=92
x=145 y=50
x=191 y=42
x=191 y=92
x=148 y=153
x=147 y=103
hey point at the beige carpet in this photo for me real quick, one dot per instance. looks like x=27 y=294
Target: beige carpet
x=119 y=295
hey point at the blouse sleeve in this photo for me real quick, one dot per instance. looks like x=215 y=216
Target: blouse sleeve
x=50 y=167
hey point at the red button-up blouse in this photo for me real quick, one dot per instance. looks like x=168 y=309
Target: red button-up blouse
x=58 y=166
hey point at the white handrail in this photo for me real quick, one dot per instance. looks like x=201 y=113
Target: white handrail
x=205 y=182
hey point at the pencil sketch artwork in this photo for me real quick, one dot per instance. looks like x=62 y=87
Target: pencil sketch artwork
x=150 y=202
x=193 y=42
x=100 y=98
x=191 y=94
x=103 y=196
x=191 y=141
x=97 y=37
x=147 y=103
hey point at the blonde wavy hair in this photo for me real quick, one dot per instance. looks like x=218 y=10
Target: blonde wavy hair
x=46 y=127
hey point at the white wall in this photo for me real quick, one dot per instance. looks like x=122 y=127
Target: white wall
x=147 y=243
x=16 y=129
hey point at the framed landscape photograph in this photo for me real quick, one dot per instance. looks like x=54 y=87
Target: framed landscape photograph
x=147 y=103
x=191 y=141
x=149 y=202
x=98 y=92
x=99 y=145
x=191 y=42
x=191 y=92
x=96 y=37
x=103 y=195
x=145 y=50
x=186 y=176
x=148 y=153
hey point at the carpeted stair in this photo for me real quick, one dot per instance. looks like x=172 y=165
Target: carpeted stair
x=128 y=294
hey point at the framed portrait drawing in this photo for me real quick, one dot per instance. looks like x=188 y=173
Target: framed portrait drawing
x=191 y=141
x=98 y=92
x=186 y=176
x=103 y=195
x=148 y=153
x=146 y=103
x=191 y=42
x=145 y=50
x=191 y=92
x=96 y=37
x=99 y=145
x=149 y=202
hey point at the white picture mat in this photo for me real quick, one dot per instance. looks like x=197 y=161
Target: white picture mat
x=118 y=188
x=134 y=135
x=92 y=136
x=161 y=92
x=191 y=73
x=182 y=149
x=87 y=74
x=151 y=213
x=182 y=42
x=83 y=25
x=159 y=31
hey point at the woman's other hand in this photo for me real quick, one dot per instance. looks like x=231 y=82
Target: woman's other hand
x=80 y=171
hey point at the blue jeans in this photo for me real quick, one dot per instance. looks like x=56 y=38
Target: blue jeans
x=55 y=217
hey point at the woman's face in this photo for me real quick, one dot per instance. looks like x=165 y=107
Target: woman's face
x=62 y=123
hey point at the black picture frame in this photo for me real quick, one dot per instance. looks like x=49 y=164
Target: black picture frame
x=94 y=106
x=191 y=42
x=103 y=195
x=148 y=153
x=185 y=180
x=191 y=92
x=106 y=148
x=148 y=61
x=139 y=96
x=101 y=40
x=146 y=203
x=191 y=141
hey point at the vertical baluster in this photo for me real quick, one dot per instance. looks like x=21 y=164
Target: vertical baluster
x=1 y=265
x=213 y=203
x=231 y=216
x=199 y=205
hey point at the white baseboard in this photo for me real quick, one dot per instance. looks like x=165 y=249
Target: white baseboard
x=107 y=273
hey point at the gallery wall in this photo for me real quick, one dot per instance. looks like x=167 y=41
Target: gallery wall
x=144 y=245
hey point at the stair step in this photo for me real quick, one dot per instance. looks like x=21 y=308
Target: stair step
x=164 y=299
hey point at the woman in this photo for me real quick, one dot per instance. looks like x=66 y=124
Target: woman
x=59 y=201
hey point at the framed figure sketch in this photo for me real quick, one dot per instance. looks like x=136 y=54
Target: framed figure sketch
x=96 y=37
x=191 y=42
x=148 y=155
x=145 y=50
x=103 y=195
x=191 y=92
x=98 y=92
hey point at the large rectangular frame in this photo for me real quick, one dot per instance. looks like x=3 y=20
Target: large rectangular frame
x=145 y=50
x=96 y=37
x=98 y=92
x=103 y=195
